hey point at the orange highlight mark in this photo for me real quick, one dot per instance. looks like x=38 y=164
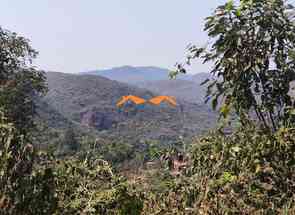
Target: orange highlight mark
x=159 y=99
x=134 y=99
x=155 y=101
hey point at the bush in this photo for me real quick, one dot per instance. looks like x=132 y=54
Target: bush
x=24 y=189
x=90 y=187
x=250 y=171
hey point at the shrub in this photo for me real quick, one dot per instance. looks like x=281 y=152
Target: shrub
x=24 y=189
x=250 y=171
x=90 y=187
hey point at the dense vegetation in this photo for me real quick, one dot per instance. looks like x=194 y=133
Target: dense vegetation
x=250 y=171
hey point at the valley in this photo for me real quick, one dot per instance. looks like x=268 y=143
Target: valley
x=90 y=101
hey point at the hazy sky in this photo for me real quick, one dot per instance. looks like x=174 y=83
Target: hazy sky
x=81 y=35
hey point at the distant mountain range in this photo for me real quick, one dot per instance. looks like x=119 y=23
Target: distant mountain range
x=131 y=74
x=181 y=89
x=155 y=79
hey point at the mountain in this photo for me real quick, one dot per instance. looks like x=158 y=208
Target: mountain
x=200 y=77
x=90 y=101
x=181 y=89
x=186 y=86
x=189 y=90
x=132 y=75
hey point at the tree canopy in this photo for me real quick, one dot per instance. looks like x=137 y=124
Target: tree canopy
x=20 y=81
x=252 y=48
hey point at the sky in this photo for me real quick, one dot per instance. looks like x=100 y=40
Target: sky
x=80 y=35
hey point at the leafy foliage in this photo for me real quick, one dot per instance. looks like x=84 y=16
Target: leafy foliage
x=91 y=187
x=24 y=189
x=252 y=50
x=250 y=171
x=20 y=82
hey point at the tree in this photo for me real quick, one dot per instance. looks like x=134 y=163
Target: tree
x=20 y=82
x=24 y=188
x=253 y=53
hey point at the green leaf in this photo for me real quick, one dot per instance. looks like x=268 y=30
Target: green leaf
x=229 y=6
x=173 y=74
x=236 y=149
x=224 y=110
x=292 y=54
x=238 y=12
x=292 y=112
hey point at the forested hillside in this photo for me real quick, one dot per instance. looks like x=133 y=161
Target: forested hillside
x=90 y=101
